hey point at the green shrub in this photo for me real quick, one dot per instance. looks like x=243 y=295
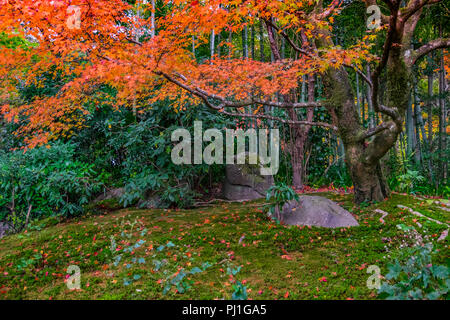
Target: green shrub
x=43 y=182
x=179 y=196
x=137 y=153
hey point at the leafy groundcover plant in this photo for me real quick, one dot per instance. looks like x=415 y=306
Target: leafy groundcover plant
x=44 y=182
x=417 y=278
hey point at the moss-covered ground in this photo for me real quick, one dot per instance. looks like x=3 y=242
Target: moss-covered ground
x=135 y=254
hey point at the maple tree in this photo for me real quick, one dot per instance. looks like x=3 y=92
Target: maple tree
x=114 y=46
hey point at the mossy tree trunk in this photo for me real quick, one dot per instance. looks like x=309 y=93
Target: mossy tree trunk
x=362 y=158
x=365 y=148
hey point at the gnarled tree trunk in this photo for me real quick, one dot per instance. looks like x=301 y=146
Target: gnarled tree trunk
x=368 y=180
x=366 y=147
x=363 y=164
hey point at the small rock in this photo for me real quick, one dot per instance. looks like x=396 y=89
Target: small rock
x=150 y=202
x=5 y=228
x=111 y=194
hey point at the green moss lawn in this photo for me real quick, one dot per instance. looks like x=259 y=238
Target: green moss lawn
x=189 y=254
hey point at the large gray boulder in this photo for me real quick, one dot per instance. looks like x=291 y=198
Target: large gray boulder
x=245 y=182
x=316 y=211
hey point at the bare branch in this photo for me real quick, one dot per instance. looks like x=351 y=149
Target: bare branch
x=289 y=40
x=329 y=10
x=414 y=6
x=272 y=41
x=134 y=41
x=189 y=89
x=393 y=113
x=389 y=39
x=204 y=95
x=427 y=48
x=263 y=116
x=366 y=78
x=227 y=104
x=371 y=132
x=382 y=142
x=393 y=6
x=287 y=105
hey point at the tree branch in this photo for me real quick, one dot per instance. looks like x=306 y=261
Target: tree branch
x=427 y=48
x=414 y=6
x=288 y=39
x=371 y=132
x=227 y=104
x=329 y=10
x=263 y=116
x=366 y=78
x=393 y=6
x=204 y=95
x=272 y=41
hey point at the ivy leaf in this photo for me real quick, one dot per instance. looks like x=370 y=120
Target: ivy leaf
x=394 y=271
x=206 y=265
x=170 y=244
x=166 y=289
x=433 y=295
x=180 y=288
x=196 y=270
x=440 y=272
x=416 y=294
